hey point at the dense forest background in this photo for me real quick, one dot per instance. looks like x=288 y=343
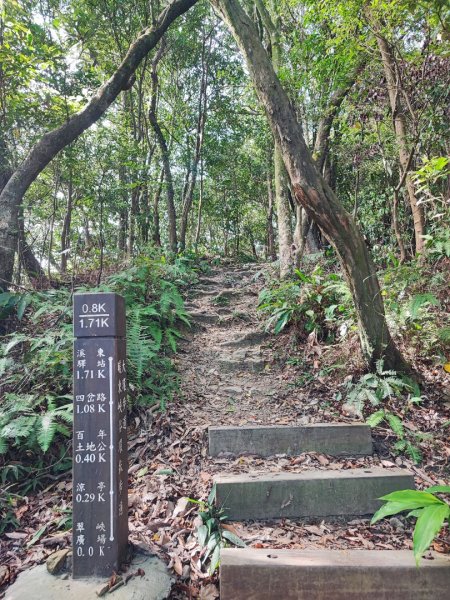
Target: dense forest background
x=179 y=167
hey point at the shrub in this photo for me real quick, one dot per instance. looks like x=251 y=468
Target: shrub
x=430 y=511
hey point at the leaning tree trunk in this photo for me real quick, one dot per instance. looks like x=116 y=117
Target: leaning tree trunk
x=54 y=141
x=310 y=234
x=313 y=193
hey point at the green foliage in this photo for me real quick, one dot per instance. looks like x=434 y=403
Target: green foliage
x=211 y=533
x=403 y=443
x=36 y=364
x=30 y=422
x=155 y=312
x=414 y=298
x=375 y=387
x=13 y=303
x=431 y=513
x=317 y=302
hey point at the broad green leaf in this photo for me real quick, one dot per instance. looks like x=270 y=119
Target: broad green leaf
x=391 y=508
x=165 y=472
x=412 y=496
x=415 y=513
x=421 y=300
x=202 y=534
x=36 y=537
x=444 y=489
x=404 y=500
x=212 y=495
x=428 y=525
x=22 y=305
x=234 y=539
x=215 y=559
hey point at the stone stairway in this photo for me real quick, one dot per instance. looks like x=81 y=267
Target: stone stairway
x=233 y=361
x=264 y=574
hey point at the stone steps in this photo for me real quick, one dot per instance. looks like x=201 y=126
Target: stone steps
x=336 y=439
x=228 y=294
x=252 y=338
x=315 y=493
x=207 y=290
x=201 y=318
x=249 y=365
x=251 y=574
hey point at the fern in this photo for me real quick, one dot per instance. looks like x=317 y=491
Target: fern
x=419 y=301
x=375 y=418
x=32 y=421
x=396 y=424
x=46 y=431
x=376 y=387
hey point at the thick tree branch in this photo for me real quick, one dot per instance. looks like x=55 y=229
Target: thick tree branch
x=54 y=141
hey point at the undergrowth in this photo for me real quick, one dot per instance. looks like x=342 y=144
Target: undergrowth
x=36 y=366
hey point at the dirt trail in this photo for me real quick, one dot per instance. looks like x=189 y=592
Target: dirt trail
x=232 y=373
x=226 y=367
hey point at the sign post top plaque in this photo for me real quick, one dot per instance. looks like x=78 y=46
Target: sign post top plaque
x=98 y=315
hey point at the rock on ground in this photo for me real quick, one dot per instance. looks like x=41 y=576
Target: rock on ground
x=38 y=584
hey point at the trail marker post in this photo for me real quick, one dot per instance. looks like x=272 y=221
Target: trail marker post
x=100 y=460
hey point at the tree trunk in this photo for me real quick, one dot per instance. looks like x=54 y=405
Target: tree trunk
x=134 y=214
x=313 y=193
x=123 y=211
x=285 y=238
x=200 y=208
x=29 y=262
x=401 y=128
x=322 y=141
x=188 y=196
x=54 y=141
x=271 y=253
x=65 y=233
x=156 y=228
x=170 y=194
x=9 y=225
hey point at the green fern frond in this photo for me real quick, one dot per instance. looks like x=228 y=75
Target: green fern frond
x=46 y=430
x=375 y=418
x=419 y=301
x=396 y=424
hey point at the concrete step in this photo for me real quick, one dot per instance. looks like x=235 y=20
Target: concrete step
x=313 y=493
x=330 y=438
x=250 y=574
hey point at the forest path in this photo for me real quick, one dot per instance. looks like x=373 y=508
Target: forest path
x=232 y=373
x=227 y=368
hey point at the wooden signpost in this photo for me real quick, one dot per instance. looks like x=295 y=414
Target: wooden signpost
x=100 y=461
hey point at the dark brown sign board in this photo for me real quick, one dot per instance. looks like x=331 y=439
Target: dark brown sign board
x=100 y=459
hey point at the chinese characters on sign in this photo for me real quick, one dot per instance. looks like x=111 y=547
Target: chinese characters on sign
x=100 y=462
